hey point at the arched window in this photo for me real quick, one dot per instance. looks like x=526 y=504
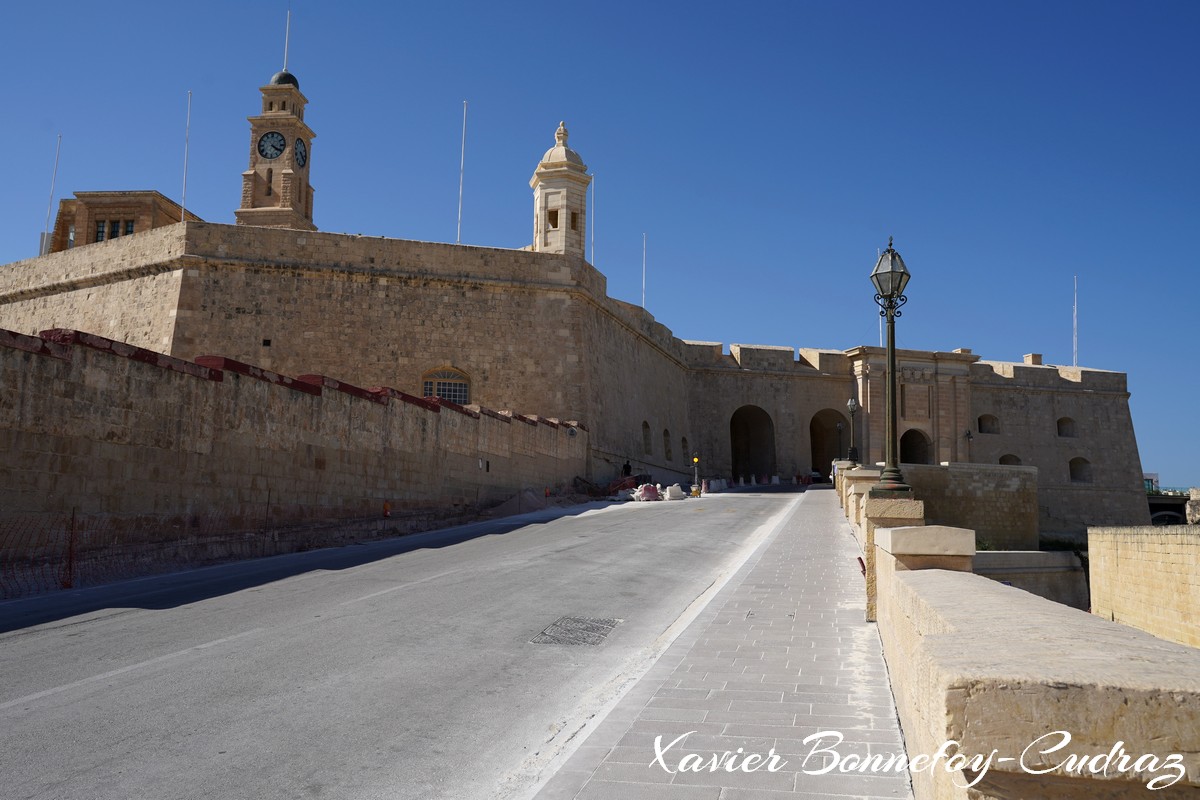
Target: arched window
x=667 y=444
x=1081 y=470
x=270 y=180
x=447 y=383
x=1010 y=460
x=684 y=448
x=647 y=445
x=989 y=423
x=1066 y=427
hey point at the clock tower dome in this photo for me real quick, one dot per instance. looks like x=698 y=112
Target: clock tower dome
x=275 y=189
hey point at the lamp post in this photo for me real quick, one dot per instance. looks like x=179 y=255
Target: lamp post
x=696 y=473
x=852 y=408
x=890 y=277
x=840 y=426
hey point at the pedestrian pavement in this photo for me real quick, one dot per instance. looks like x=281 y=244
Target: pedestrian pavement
x=780 y=654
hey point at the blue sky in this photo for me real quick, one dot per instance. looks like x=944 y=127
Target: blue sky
x=766 y=150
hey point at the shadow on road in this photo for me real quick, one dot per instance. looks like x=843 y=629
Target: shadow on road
x=193 y=585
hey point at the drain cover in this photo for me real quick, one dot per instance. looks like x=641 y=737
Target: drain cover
x=576 y=630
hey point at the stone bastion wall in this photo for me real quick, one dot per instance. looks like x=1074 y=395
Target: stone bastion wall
x=98 y=427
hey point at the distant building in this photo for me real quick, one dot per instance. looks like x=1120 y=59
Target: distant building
x=101 y=216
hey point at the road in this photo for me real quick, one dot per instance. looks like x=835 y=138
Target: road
x=393 y=670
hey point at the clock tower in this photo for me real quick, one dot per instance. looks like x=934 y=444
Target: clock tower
x=275 y=189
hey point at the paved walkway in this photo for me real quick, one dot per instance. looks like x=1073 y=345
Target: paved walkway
x=781 y=653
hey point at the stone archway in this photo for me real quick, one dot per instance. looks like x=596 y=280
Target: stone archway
x=823 y=437
x=915 y=448
x=752 y=443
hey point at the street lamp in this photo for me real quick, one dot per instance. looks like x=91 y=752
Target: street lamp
x=852 y=408
x=890 y=276
x=696 y=468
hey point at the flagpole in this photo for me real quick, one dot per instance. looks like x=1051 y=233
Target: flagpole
x=462 y=164
x=187 y=132
x=44 y=247
x=643 y=270
x=1075 y=326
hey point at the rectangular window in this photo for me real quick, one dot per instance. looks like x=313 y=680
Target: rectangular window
x=129 y=227
x=552 y=219
x=70 y=237
x=100 y=231
x=454 y=391
x=574 y=220
x=114 y=228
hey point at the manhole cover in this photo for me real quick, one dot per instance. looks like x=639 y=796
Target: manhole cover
x=576 y=630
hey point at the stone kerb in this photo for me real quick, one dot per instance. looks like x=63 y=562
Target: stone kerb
x=1003 y=672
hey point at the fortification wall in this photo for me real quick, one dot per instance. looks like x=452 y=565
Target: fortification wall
x=791 y=398
x=105 y=429
x=999 y=503
x=1027 y=403
x=1148 y=577
x=125 y=289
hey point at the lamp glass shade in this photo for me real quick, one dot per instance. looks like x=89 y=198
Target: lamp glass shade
x=852 y=406
x=890 y=275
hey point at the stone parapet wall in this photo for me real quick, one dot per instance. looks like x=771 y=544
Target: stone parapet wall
x=1054 y=575
x=994 y=668
x=1149 y=578
x=102 y=428
x=999 y=503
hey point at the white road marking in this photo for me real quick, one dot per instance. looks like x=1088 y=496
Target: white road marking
x=29 y=698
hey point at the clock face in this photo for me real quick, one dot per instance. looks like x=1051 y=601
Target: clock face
x=271 y=144
x=301 y=153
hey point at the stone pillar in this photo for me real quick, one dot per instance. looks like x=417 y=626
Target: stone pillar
x=1193 y=507
x=886 y=513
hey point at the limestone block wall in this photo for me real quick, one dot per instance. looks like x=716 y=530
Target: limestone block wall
x=999 y=503
x=1148 y=577
x=1047 y=417
x=994 y=668
x=633 y=375
x=1054 y=575
x=125 y=289
x=102 y=428
x=791 y=398
x=384 y=312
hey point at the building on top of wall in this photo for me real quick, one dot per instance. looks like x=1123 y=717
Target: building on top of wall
x=92 y=217
x=534 y=330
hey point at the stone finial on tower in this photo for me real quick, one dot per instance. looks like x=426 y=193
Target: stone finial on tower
x=559 y=186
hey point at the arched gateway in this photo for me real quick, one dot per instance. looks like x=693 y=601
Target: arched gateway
x=828 y=441
x=752 y=443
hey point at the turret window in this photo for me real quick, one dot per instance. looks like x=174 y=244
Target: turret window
x=552 y=219
x=574 y=220
x=270 y=180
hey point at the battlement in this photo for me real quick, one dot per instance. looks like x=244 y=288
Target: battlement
x=1046 y=376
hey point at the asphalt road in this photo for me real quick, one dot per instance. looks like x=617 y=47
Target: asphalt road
x=392 y=670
